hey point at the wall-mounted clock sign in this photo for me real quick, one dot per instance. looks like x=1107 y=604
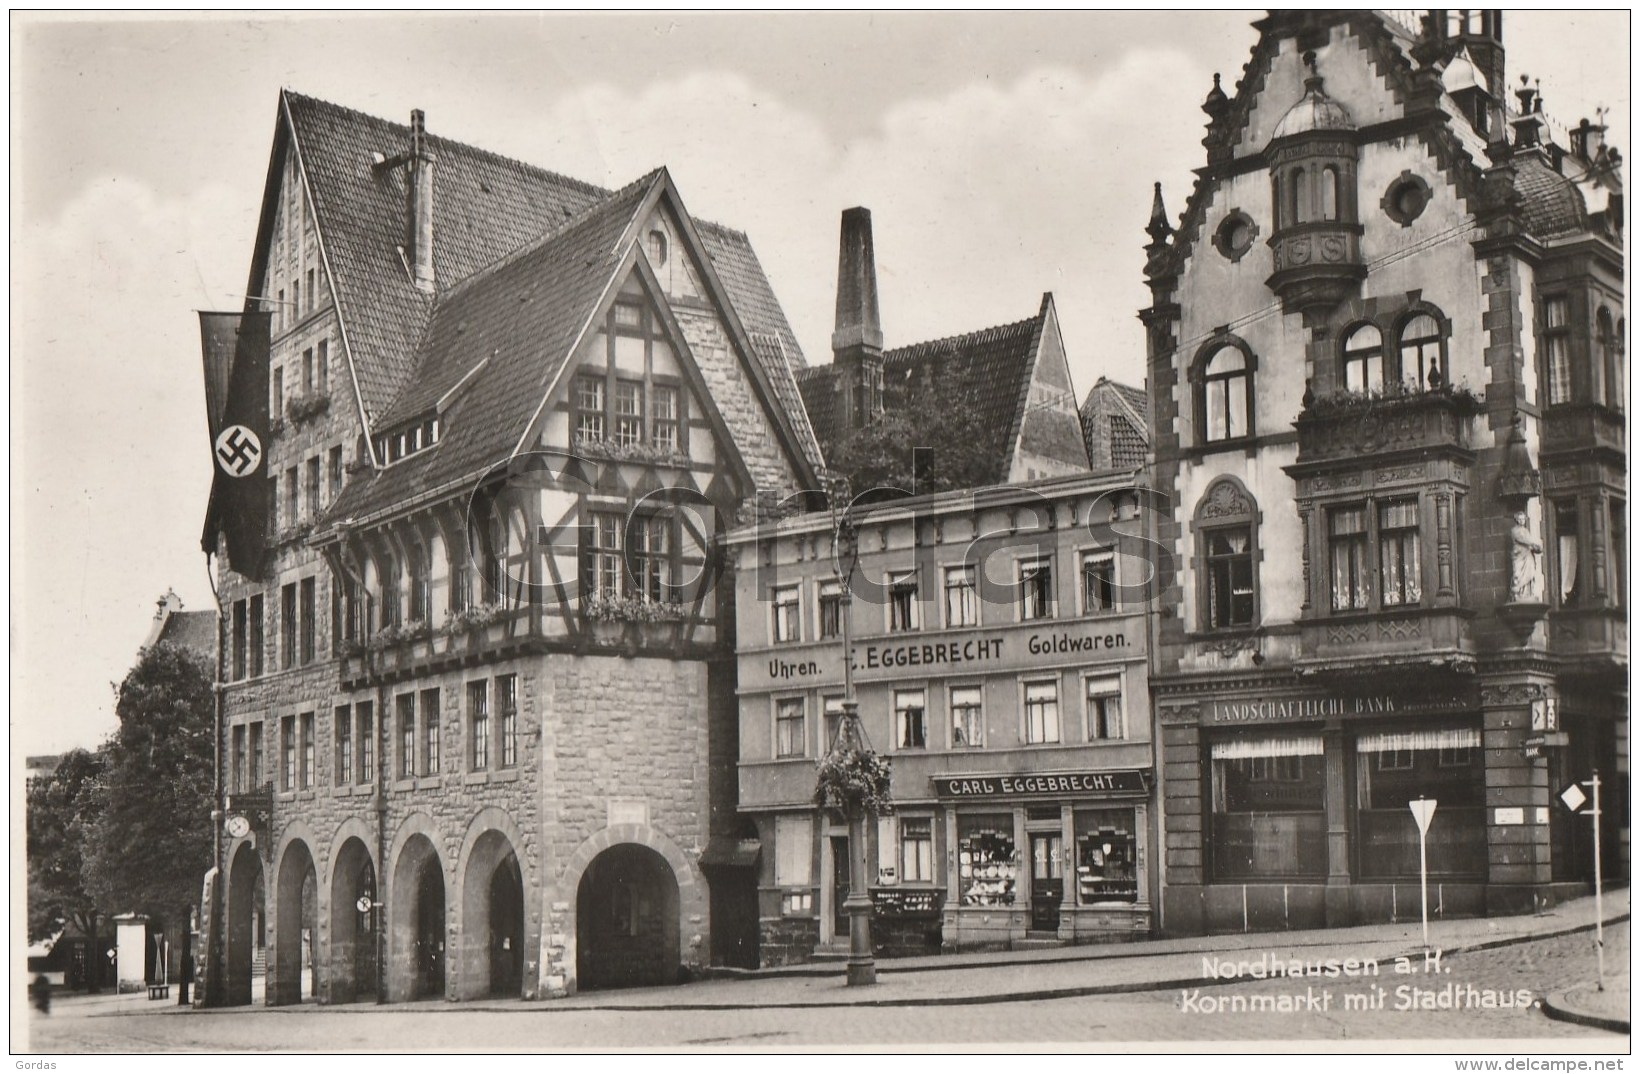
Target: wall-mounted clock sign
x=238 y=826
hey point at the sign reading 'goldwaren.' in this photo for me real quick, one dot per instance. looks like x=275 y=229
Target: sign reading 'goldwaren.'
x=1125 y=781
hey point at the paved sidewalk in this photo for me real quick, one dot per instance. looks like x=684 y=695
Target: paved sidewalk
x=1013 y=976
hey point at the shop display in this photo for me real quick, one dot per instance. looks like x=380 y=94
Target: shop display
x=988 y=864
x=1105 y=857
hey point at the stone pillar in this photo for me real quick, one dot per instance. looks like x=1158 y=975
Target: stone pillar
x=1338 y=895
x=1517 y=854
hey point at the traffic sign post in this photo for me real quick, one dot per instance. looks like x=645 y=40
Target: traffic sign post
x=1574 y=798
x=1422 y=811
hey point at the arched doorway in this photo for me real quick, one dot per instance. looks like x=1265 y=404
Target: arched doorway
x=626 y=914
x=417 y=935
x=492 y=925
x=245 y=911
x=295 y=925
x=352 y=964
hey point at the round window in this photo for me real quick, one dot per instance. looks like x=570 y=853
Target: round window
x=1235 y=235
x=1406 y=199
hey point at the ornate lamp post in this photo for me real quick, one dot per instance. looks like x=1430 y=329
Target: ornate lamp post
x=851 y=744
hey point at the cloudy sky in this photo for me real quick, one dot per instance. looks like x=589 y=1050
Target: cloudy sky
x=1001 y=156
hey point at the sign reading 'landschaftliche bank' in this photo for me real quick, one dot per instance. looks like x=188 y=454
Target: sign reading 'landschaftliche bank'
x=1316 y=707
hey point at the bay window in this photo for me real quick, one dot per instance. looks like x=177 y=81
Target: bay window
x=1347 y=541
x=1568 y=571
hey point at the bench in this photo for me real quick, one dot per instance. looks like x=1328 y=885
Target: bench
x=159 y=991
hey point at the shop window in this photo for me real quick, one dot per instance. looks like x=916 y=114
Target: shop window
x=1557 y=350
x=407 y=735
x=967 y=717
x=344 y=745
x=961 y=599
x=1420 y=353
x=1042 y=712
x=589 y=408
x=788 y=727
x=788 y=614
x=902 y=601
x=1107 y=855
x=917 y=850
x=1397 y=767
x=1269 y=814
x=831 y=715
x=794 y=850
x=1364 y=359
x=987 y=859
x=830 y=608
x=1104 y=712
x=1098 y=582
x=1567 y=567
x=1035 y=589
x=478 y=726
x=1226 y=392
x=430 y=732
x=367 y=742
x=910 y=720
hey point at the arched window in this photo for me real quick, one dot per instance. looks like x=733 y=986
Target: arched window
x=390 y=607
x=495 y=557
x=420 y=589
x=1421 y=366
x=1226 y=534
x=1329 y=193
x=1299 y=209
x=1364 y=359
x=1226 y=392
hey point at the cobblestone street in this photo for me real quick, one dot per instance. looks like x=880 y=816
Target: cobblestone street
x=1539 y=966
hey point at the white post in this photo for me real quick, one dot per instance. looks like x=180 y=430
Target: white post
x=1599 y=916
x=1422 y=811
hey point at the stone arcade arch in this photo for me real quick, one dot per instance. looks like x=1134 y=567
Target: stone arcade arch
x=418 y=934
x=350 y=968
x=626 y=914
x=246 y=907
x=295 y=926
x=490 y=956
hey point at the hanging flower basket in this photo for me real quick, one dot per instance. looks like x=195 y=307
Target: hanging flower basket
x=850 y=777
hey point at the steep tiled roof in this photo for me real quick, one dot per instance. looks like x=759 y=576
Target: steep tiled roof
x=521 y=318
x=191 y=630
x=485 y=207
x=1116 y=425
x=1550 y=202
x=993 y=366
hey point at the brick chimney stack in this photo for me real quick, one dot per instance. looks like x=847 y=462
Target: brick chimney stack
x=421 y=203
x=857 y=339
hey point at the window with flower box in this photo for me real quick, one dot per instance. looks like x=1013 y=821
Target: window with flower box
x=628 y=412
x=1364 y=359
x=663 y=421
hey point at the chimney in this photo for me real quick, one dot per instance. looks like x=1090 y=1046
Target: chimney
x=857 y=339
x=421 y=203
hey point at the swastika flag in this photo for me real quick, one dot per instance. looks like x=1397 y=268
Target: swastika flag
x=235 y=348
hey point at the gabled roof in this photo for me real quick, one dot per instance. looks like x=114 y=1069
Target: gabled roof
x=191 y=630
x=993 y=366
x=521 y=318
x=1115 y=425
x=486 y=206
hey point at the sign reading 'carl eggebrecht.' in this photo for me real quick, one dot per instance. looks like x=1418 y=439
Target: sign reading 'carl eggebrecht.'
x=1121 y=781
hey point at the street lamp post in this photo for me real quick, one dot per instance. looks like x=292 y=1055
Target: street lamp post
x=862 y=968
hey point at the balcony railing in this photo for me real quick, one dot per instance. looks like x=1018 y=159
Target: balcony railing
x=1353 y=425
x=1361 y=641
x=1581 y=427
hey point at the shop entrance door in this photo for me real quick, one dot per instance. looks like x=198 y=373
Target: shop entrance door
x=1047 y=881
x=839 y=887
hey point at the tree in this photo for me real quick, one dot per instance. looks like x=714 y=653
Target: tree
x=150 y=846
x=62 y=807
x=930 y=413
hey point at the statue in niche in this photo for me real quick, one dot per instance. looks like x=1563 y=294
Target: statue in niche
x=1525 y=562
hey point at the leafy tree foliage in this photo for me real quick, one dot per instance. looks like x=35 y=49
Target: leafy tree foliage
x=150 y=845
x=62 y=806
x=927 y=439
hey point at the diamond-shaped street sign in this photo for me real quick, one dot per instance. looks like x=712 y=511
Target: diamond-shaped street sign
x=1574 y=797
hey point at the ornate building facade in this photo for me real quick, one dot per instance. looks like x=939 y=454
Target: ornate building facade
x=477 y=730
x=1388 y=388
